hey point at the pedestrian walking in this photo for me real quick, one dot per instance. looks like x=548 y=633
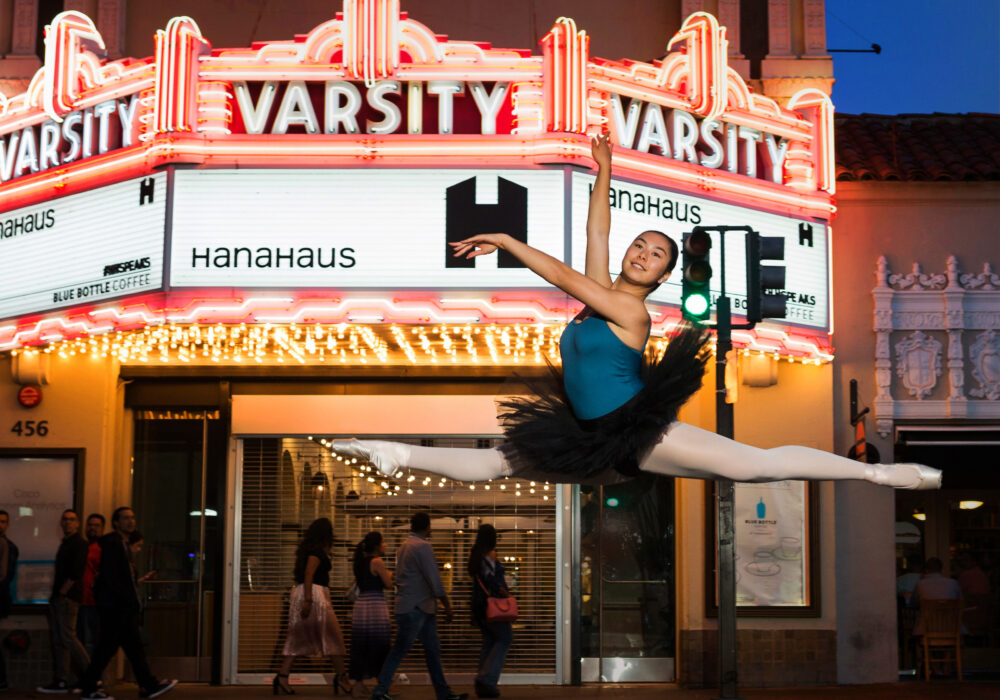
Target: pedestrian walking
x=418 y=588
x=116 y=594
x=135 y=543
x=64 y=604
x=8 y=565
x=313 y=628
x=87 y=621
x=371 y=631
x=488 y=581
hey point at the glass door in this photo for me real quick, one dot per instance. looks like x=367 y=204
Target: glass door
x=627 y=616
x=177 y=502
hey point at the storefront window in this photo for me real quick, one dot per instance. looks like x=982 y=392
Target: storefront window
x=627 y=569
x=288 y=482
x=37 y=488
x=967 y=522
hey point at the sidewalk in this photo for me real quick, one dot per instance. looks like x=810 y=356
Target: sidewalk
x=937 y=690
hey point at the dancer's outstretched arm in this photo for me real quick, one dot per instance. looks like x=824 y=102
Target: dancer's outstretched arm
x=687 y=451
x=599 y=214
x=621 y=308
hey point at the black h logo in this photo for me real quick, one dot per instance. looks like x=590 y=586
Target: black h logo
x=464 y=218
x=146 y=190
x=805 y=234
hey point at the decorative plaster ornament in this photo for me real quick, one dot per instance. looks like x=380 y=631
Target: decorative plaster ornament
x=917 y=280
x=985 y=356
x=918 y=363
x=987 y=280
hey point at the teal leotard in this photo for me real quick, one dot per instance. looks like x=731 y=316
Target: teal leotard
x=600 y=372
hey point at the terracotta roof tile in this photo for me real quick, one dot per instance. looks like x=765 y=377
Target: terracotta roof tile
x=918 y=147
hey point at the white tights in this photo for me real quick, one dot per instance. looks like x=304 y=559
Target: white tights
x=684 y=451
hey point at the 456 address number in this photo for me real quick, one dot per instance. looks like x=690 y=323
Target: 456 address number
x=27 y=428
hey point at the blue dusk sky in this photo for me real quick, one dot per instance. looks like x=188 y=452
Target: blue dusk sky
x=937 y=55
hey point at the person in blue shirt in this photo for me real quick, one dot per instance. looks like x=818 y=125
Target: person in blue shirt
x=608 y=414
x=418 y=590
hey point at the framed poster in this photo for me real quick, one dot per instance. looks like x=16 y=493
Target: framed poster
x=35 y=488
x=777 y=549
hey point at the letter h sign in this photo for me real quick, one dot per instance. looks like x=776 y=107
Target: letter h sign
x=464 y=218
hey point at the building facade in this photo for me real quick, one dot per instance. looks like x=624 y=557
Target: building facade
x=916 y=305
x=230 y=249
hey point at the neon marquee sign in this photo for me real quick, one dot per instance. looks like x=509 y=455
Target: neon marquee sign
x=375 y=87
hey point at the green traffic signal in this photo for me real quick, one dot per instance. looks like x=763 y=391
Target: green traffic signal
x=696 y=305
x=696 y=273
x=611 y=502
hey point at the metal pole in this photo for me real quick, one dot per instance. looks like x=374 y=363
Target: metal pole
x=724 y=426
x=727 y=533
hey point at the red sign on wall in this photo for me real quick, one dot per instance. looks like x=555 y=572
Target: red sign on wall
x=29 y=396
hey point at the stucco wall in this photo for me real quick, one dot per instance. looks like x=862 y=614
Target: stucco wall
x=907 y=223
x=82 y=404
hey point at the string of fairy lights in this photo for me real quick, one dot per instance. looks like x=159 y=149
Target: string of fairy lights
x=408 y=483
x=347 y=344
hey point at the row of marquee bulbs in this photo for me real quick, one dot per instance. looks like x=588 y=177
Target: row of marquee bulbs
x=342 y=344
x=391 y=488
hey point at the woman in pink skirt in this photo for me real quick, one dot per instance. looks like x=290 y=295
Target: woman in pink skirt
x=313 y=629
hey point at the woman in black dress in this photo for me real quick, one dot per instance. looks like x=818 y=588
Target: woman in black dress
x=313 y=629
x=488 y=580
x=370 y=627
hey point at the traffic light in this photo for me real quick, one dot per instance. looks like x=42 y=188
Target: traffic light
x=696 y=299
x=762 y=279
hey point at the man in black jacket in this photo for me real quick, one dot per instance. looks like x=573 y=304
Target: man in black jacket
x=8 y=565
x=64 y=603
x=117 y=598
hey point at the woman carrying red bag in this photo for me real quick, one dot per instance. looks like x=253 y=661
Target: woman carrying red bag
x=488 y=582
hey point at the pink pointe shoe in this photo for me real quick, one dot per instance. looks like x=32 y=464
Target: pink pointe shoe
x=388 y=457
x=905 y=476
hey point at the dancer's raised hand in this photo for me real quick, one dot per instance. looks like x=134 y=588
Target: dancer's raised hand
x=474 y=246
x=600 y=147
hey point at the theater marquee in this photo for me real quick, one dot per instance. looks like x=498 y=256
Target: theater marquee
x=382 y=118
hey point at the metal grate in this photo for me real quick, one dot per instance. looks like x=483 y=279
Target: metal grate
x=288 y=482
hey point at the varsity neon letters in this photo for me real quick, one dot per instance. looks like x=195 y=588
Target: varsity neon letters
x=373 y=85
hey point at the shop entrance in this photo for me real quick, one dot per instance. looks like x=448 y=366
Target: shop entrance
x=960 y=527
x=627 y=616
x=176 y=496
x=287 y=482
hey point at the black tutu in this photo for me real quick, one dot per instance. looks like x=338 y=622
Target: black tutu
x=547 y=442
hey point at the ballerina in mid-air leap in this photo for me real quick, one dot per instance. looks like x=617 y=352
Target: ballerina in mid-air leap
x=606 y=417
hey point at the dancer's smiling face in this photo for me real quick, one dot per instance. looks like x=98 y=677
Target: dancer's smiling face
x=649 y=259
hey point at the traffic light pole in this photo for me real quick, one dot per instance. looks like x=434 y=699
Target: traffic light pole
x=760 y=305
x=724 y=425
